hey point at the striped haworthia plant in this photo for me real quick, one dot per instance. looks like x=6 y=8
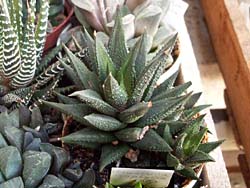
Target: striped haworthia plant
x=21 y=40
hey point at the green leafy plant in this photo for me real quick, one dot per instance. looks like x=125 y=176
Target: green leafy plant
x=22 y=38
x=27 y=160
x=124 y=107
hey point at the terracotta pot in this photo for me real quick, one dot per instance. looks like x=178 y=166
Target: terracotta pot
x=51 y=38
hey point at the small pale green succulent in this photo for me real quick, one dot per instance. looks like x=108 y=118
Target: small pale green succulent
x=27 y=160
x=23 y=71
x=123 y=107
x=137 y=16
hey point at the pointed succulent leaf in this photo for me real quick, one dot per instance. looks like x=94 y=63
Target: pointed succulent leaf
x=47 y=59
x=176 y=91
x=114 y=94
x=104 y=123
x=131 y=134
x=36 y=166
x=192 y=142
x=152 y=142
x=179 y=151
x=193 y=100
x=117 y=44
x=94 y=100
x=174 y=162
x=135 y=112
x=88 y=78
x=189 y=113
x=210 y=146
x=141 y=54
x=164 y=59
x=71 y=74
x=111 y=154
x=105 y=64
x=89 y=135
x=91 y=57
x=144 y=81
x=41 y=27
x=176 y=126
x=193 y=126
x=16 y=182
x=51 y=181
x=64 y=99
x=77 y=111
x=199 y=157
x=9 y=43
x=167 y=136
x=162 y=109
x=188 y=172
x=167 y=46
x=134 y=65
x=166 y=85
x=10 y=162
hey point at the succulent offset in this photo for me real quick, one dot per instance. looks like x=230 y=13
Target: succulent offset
x=137 y=16
x=123 y=106
x=23 y=71
x=27 y=160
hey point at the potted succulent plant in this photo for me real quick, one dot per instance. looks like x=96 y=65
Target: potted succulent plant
x=125 y=116
x=23 y=71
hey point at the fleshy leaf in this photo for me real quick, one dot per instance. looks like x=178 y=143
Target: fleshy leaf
x=89 y=135
x=210 y=146
x=132 y=134
x=113 y=93
x=104 y=123
x=152 y=142
x=88 y=79
x=94 y=100
x=199 y=157
x=188 y=172
x=162 y=109
x=77 y=111
x=117 y=44
x=111 y=154
x=135 y=112
x=176 y=91
x=105 y=64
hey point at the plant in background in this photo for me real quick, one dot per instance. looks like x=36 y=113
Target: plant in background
x=22 y=39
x=27 y=160
x=125 y=108
x=137 y=16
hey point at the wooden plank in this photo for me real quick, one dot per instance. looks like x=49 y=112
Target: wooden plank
x=244 y=169
x=232 y=45
x=215 y=173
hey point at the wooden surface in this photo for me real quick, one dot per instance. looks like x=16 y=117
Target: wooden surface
x=231 y=41
x=245 y=170
x=215 y=173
